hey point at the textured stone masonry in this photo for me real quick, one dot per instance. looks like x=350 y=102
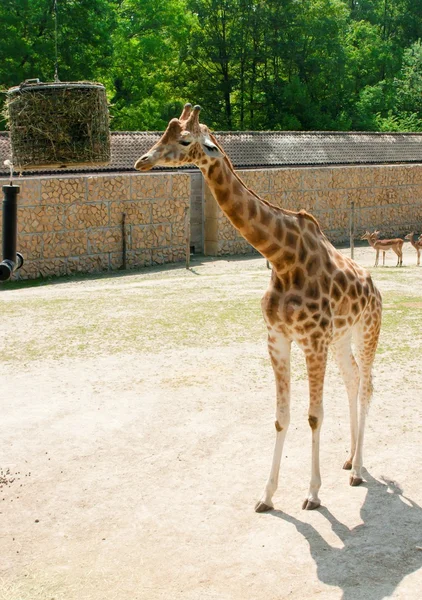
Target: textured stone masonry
x=388 y=198
x=73 y=224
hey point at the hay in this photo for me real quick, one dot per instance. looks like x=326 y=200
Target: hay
x=58 y=125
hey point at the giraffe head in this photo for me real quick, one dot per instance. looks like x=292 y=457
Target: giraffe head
x=184 y=141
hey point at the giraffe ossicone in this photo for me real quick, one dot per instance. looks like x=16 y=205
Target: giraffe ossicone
x=317 y=297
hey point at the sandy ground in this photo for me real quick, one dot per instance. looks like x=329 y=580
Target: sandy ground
x=137 y=434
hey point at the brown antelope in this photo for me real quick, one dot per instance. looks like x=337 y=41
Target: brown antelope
x=417 y=245
x=375 y=236
x=395 y=244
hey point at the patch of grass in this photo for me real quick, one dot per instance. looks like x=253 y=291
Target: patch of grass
x=401 y=331
x=125 y=321
x=172 y=308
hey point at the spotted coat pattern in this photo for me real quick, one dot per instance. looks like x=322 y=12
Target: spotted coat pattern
x=317 y=297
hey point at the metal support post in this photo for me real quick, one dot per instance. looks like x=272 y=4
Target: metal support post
x=12 y=260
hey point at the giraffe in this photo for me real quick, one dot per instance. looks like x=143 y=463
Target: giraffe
x=417 y=245
x=317 y=297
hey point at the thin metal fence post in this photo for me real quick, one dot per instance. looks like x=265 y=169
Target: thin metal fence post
x=187 y=235
x=352 y=229
x=124 y=242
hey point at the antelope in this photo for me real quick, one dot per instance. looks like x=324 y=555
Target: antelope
x=375 y=235
x=417 y=245
x=395 y=244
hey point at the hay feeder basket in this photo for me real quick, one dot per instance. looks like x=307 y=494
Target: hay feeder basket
x=58 y=125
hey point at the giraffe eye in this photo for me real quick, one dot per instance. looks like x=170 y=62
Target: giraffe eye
x=184 y=142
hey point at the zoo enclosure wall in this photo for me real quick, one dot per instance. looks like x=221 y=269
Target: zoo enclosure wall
x=73 y=223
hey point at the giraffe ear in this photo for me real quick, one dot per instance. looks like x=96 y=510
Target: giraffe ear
x=211 y=149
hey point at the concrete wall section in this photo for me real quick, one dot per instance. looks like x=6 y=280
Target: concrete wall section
x=388 y=198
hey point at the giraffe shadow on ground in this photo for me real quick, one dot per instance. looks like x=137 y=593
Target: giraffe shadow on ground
x=377 y=554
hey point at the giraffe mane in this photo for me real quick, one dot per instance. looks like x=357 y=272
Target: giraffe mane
x=301 y=213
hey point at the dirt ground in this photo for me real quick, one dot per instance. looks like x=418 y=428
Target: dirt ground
x=137 y=433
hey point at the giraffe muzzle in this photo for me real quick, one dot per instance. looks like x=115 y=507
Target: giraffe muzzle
x=144 y=163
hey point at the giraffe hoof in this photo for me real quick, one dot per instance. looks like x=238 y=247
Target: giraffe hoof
x=310 y=504
x=262 y=507
x=354 y=481
x=347 y=465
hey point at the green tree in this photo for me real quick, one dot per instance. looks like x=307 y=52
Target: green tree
x=405 y=107
x=409 y=82
x=147 y=73
x=252 y=64
x=27 y=44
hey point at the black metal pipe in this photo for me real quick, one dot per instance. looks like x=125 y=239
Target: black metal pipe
x=12 y=260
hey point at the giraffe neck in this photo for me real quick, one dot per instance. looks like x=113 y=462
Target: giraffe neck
x=276 y=233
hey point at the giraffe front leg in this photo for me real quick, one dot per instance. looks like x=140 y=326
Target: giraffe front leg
x=279 y=349
x=315 y=363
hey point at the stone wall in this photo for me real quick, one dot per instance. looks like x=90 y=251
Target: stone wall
x=69 y=224
x=388 y=198
x=74 y=224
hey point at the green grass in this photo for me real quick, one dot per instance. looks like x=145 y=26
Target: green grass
x=401 y=331
x=149 y=312
x=144 y=320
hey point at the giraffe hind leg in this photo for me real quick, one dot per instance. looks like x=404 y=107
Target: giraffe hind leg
x=349 y=372
x=365 y=336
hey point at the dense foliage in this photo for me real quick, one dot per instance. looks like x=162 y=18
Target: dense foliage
x=269 y=64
